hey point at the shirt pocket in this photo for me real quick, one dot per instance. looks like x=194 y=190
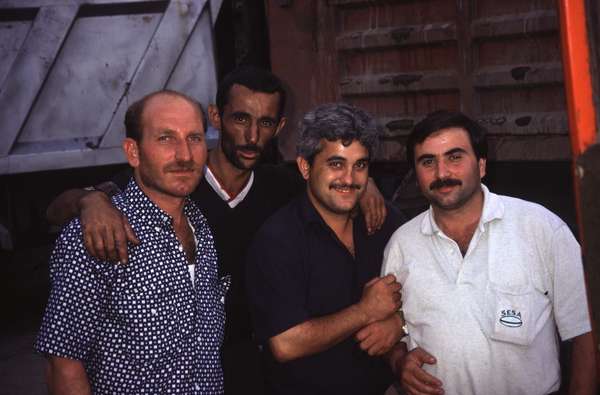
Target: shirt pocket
x=149 y=322
x=515 y=314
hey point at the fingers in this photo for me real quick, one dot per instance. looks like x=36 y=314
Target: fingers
x=389 y=278
x=415 y=379
x=131 y=237
x=109 y=244
x=122 y=236
x=421 y=356
x=98 y=245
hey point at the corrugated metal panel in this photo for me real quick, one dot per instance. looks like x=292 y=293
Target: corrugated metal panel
x=497 y=60
x=70 y=69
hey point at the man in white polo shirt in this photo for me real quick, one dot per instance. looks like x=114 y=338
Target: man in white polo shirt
x=487 y=280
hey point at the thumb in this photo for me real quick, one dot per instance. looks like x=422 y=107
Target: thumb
x=424 y=357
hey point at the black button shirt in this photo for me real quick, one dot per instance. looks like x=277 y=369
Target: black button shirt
x=298 y=270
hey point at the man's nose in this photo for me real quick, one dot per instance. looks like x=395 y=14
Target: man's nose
x=183 y=151
x=252 y=133
x=348 y=176
x=442 y=170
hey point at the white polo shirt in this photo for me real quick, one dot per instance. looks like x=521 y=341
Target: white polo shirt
x=490 y=317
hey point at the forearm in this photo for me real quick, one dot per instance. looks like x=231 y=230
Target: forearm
x=65 y=207
x=583 y=366
x=317 y=335
x=67 y=377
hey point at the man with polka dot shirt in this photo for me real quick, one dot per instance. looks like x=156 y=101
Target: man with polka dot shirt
x=155 y=325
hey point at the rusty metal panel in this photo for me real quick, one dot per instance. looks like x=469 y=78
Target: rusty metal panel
x=496 y=60
x=69 y=70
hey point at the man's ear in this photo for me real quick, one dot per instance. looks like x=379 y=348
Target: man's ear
x=482 y=164
x=130 y=146
x=214 y=117
x=280 y=125
x=303 y=166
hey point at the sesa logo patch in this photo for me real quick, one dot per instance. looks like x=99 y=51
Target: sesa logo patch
x=511 y=318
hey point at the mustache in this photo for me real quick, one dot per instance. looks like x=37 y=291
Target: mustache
x=344 y=186
x=181 y=166
x=249 y=147
x=446 y=182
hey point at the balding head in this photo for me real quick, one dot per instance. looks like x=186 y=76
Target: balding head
x=135 y=113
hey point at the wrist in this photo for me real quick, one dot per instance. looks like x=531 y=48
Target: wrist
x=90 y=198
x=399 y=316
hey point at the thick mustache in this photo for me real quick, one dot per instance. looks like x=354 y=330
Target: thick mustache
x=446 y=182
x=344 y=186
x=249 y=147
x=181 y=166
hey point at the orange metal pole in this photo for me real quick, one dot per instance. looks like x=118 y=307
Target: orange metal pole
x=578 y=84
x=578 y=80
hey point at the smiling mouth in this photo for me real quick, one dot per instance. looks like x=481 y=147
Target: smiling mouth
x=345 y=188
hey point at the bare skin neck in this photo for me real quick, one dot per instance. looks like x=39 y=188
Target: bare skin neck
x=341 y=224
x=231 y=179
x=460 y=224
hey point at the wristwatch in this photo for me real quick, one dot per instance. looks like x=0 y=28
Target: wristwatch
x=404 y=327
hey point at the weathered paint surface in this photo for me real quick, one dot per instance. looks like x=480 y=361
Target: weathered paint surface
x=68 y=71
x=499 y=61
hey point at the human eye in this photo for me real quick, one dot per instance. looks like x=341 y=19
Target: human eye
x=196 y=138
x=240 y=118
x=336 y=164
x=455 y=157
x=426 y=162
x=165 y=138
x=362 y=164
x=267 y=123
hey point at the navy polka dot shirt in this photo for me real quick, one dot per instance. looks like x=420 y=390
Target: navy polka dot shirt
x=143 y=327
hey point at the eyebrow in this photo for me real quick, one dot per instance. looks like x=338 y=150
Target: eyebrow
x=240 y=114
x=455 y=151
x=341 y=158
x=447 y=153
x=336 y=158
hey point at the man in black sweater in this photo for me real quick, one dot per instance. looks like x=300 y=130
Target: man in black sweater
x=236 y=195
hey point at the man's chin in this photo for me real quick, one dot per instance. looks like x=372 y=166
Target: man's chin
x=243 y=163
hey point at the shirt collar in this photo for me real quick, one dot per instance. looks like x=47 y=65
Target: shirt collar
x=308 y=211
x=147 y=211
x=493 y=208
x=214 y=183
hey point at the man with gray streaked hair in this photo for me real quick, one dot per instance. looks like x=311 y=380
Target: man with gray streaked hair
x=319 y=308
x=336 y=121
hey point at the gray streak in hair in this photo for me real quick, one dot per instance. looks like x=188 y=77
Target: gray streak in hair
x=336 y=121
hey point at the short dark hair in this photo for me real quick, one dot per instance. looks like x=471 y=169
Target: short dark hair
x=443 y=119
x=133 y=116
x=253 y=78
x=336 y=121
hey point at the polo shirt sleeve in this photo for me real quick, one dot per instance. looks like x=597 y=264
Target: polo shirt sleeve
x=392 y=257
x=276 y=284
x=569 y=299
x=76 y=301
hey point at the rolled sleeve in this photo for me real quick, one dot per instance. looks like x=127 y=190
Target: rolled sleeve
x=76 y=300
